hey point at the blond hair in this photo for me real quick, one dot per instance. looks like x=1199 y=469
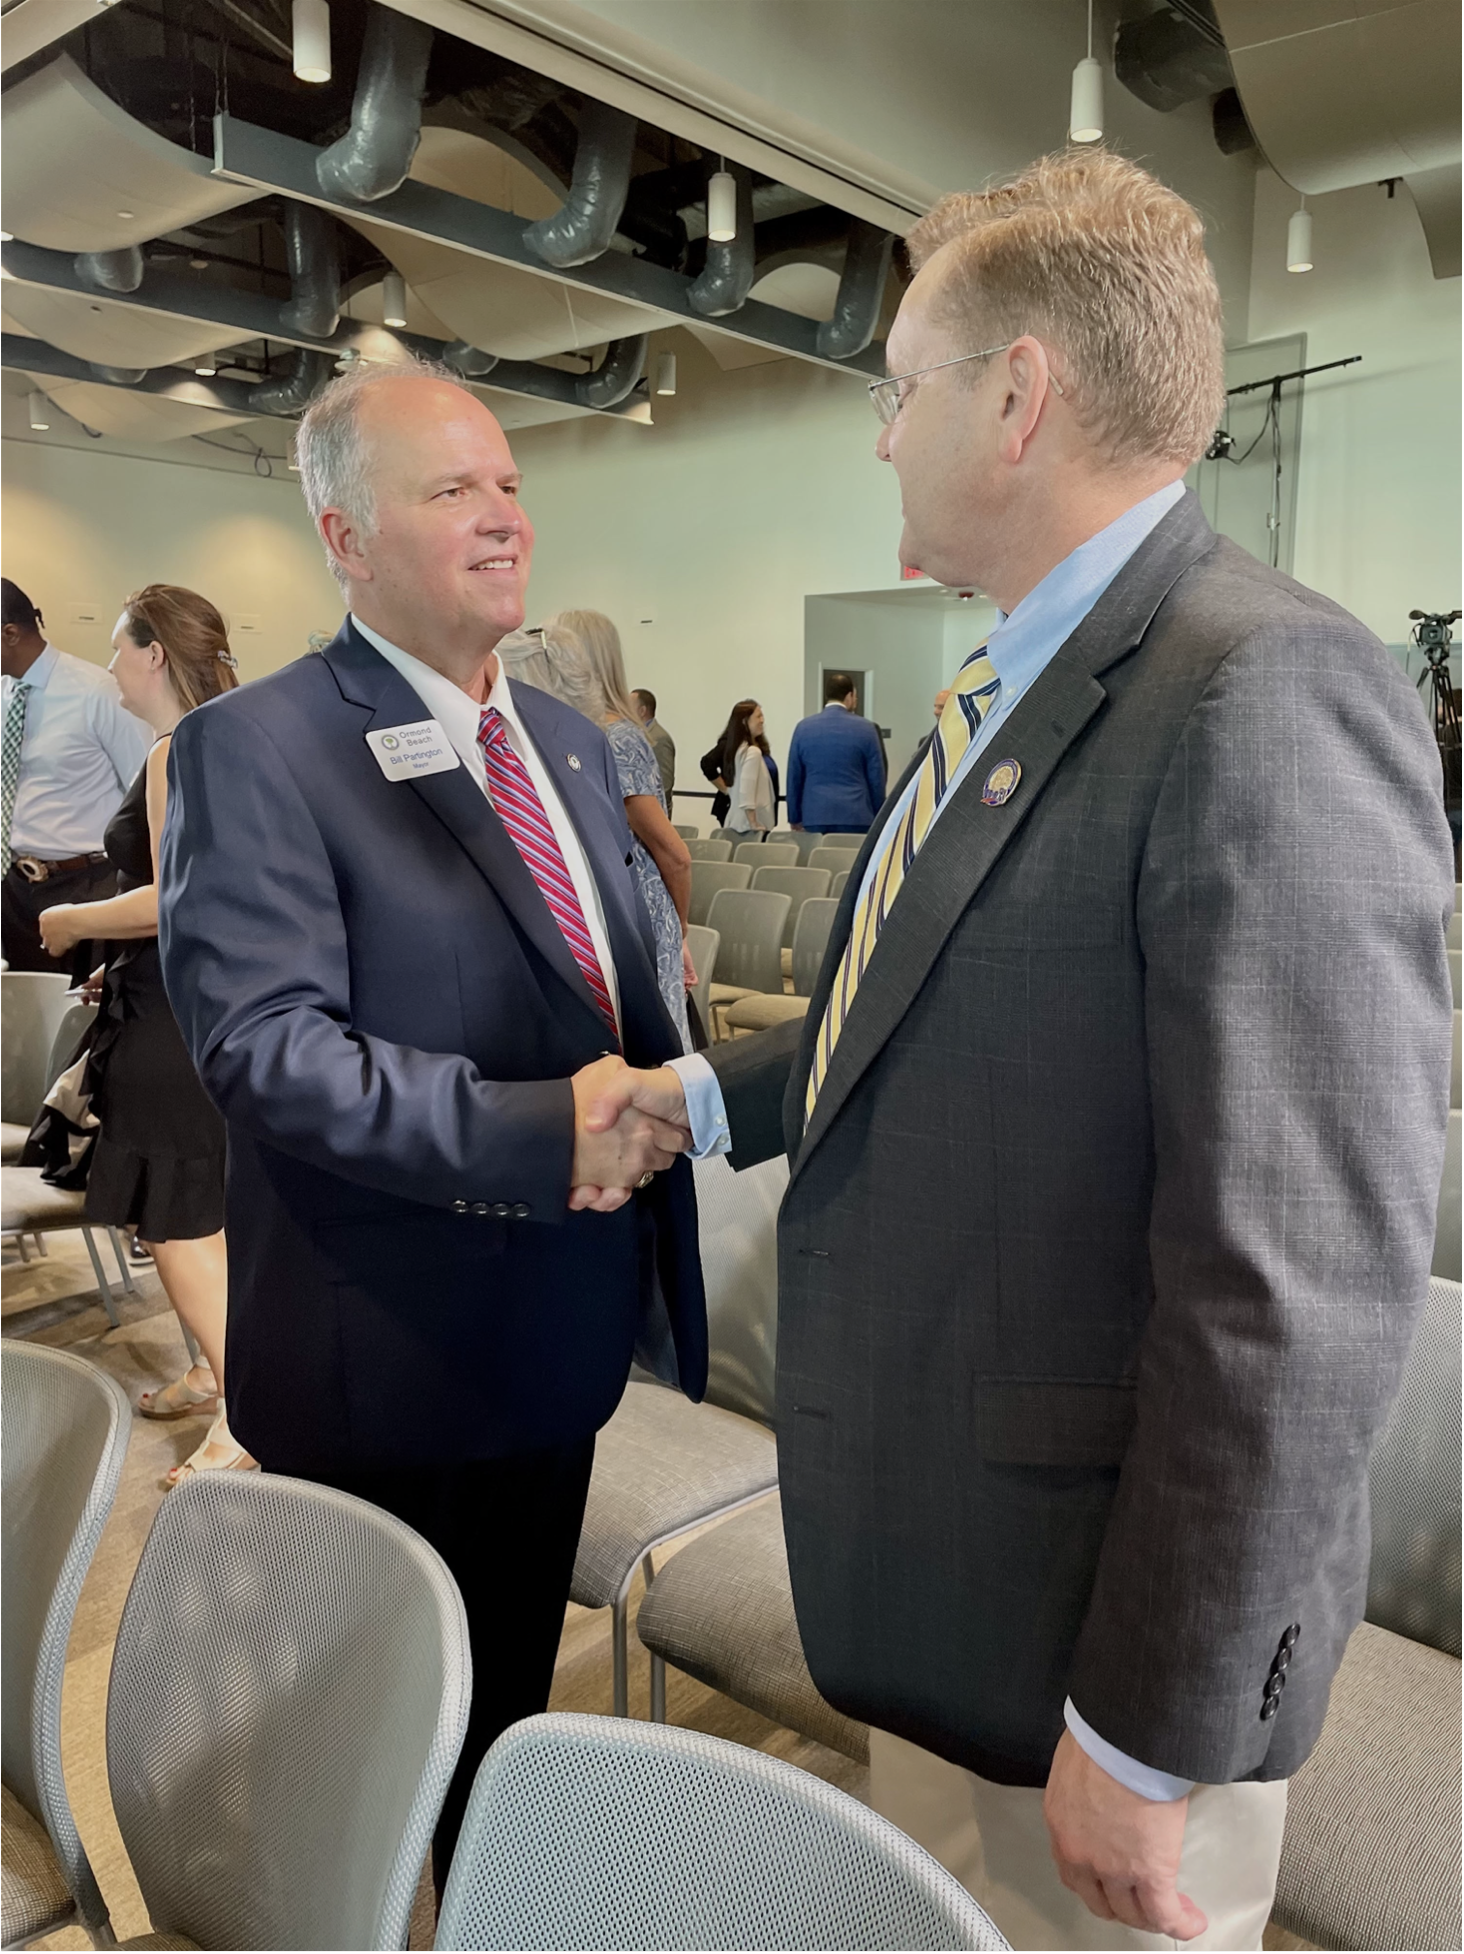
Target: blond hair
x=1107 y=267
x=600 y=643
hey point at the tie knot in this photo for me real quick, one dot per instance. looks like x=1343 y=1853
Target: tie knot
x=491 y=729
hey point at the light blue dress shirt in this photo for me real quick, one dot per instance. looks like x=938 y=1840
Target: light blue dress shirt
x=1020 y=649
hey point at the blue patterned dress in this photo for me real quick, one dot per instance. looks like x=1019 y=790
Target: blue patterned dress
x=636 y=765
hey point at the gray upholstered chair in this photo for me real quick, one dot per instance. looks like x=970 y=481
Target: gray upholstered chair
x=289 y=1693
x=836 y=887
x=807 y=840
x=702 y=944
x=800 y=884
x=834 y=857
x=12 y=1139
x=759 y=1011
x=1371 y=1855
x=585 y=1832
x=32 y=1003
x=708 y=879
x=66 y=1431
x=688 y=831
x=751 y=923
x=767 y=854
x=664 y=1465
x=709 y=851
x=1447 y=1245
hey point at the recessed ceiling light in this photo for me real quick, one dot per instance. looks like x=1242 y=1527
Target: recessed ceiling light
x=198 y=264
x=126 y=213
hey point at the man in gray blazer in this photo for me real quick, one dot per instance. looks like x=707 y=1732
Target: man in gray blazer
x=1116 y=1120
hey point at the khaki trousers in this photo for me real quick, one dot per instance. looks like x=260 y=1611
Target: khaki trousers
x=993 y=1839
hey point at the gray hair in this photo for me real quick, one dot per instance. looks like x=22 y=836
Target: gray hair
x=599 y=643
x=553 y=661
x=334 y=459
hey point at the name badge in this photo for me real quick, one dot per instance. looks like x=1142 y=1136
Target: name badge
x=407 y=752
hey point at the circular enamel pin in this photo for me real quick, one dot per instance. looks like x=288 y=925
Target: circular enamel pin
x=1001 y=783
x=573 y=759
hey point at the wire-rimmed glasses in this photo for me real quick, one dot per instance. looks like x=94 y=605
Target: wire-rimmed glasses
x=888 y=400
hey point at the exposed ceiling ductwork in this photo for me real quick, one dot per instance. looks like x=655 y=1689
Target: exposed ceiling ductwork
x=731 y=264
x=373 y=157
x=584 y=228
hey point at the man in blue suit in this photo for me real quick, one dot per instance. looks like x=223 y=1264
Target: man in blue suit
x=401 y=932
x=836 y=769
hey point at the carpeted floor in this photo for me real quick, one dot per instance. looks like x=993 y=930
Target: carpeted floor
x=54 y=1300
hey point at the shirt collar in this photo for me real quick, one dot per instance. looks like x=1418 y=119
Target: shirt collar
x=38 y=677
x=449 y=705
x=1025 y=639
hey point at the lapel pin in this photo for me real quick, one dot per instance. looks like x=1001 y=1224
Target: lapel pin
x=573 y=759
x=1001 y=783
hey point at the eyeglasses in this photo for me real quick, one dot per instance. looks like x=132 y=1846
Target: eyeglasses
x=888 y=400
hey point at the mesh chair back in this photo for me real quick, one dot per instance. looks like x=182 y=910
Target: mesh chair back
x=66 y=1431
x=750 y=923
x=737 y=1220
x=34 y=1003
x=810 y=940
x=839 y=884
x=708 y=879
x=1447 y=1243
x=289 y=1692
x=686 y=831
x=599 y=1832
x=767 y=854
x=702 y=943
x=709 y=851
x=68 y=1037
x=1456 y=973
x=1456 y=1065
x=799 y=884
x=807 y=841
x=833 y=859
x=1413 y=1581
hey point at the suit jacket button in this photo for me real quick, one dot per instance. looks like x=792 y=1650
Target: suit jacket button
x=521 y=1211
x=1269 y=1708
x=480 y=1207
x=459 y=1207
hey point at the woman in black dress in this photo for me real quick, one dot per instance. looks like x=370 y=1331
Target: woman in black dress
x=158 y=1164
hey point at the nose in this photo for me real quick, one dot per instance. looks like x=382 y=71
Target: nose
x=882 y=445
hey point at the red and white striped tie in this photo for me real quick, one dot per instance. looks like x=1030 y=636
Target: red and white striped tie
x=522 y=813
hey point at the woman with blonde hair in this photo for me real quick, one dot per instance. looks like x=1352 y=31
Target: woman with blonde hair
x=158 y=1163
x=576 y=656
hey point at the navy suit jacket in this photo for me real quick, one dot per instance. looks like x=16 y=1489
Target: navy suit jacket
x=384 y=1010
x=836 y=772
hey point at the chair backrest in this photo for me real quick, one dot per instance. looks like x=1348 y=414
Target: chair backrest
x=799 y=883
x=602 y=1832
x=810 y=940
x=68 y=1036
x=66 y=1430
x=1448 y=1244
x=709 y=851
x=687 y=831
x=750 y=923
x=708 y=879
x=1456 y=1066
x=1413 y=1581
x=839 y=884
x=1455 y=976
x=767 y=854
x=737 y=1220
x=289 y=1693
x=702 y=943
x=833 y=859
x=733 y=835
x=32 y=1005
x=807 y=840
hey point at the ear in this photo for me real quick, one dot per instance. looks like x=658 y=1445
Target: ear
x=1025 y=380
x=343 y=537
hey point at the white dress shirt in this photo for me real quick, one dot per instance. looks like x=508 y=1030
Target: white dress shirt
x=81 y=752
x=458 y=716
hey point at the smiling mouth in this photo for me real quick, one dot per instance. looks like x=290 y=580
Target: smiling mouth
x=497 y=564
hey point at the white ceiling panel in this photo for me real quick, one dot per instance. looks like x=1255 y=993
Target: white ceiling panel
x=80 y=174
x=135 y=416
x=114 y=335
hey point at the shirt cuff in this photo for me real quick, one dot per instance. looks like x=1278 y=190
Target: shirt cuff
x=1161 y=1787
x=706 y=1111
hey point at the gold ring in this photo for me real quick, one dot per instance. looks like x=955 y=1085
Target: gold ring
x=646 y=1178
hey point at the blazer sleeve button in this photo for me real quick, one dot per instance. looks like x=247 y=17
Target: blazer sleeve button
x=521 y=1211
x=480 y=1207
x=501 y=1211
x=1288 y=1640
x=1269 y=1708
x=459 y=1207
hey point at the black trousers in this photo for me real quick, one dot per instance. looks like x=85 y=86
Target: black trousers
x=509 y=1531
x=21 y=902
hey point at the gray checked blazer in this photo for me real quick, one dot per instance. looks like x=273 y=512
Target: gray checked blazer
x=1102 y=1252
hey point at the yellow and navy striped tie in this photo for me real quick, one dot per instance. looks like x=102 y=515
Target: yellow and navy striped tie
x=972 y=697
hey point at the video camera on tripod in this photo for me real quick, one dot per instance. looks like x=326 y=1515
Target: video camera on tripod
x=1433 y=633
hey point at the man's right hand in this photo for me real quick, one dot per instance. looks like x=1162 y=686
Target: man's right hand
x=623 y=1129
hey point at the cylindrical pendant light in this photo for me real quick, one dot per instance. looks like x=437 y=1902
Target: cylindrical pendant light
x=722 y=206
x=1299 y=240
x=394 y=299
x=40 y=414
x=1085 y=112
x=666 y=373
x=310 y=20
x=207 y=367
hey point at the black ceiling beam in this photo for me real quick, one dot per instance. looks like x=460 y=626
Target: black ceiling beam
x=268 y=161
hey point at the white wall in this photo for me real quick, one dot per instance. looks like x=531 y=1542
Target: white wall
x=82 y=529
x=1378 y=502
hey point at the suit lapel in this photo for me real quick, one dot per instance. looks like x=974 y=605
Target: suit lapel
x=968 y=839
x=368 y=680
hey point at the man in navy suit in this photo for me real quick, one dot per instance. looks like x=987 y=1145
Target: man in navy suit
x=836 y=769
x=401 y=932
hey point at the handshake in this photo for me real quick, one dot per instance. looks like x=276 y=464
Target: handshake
x=627 y=1126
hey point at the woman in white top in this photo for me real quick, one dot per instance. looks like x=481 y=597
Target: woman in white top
x=750 y=786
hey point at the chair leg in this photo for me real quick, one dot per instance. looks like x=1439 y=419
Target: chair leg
x=621 y=1697
x=658 y=1690
x=24 y=1251
x=96 y=1261
x=41 y=1248
x=121 y=1254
